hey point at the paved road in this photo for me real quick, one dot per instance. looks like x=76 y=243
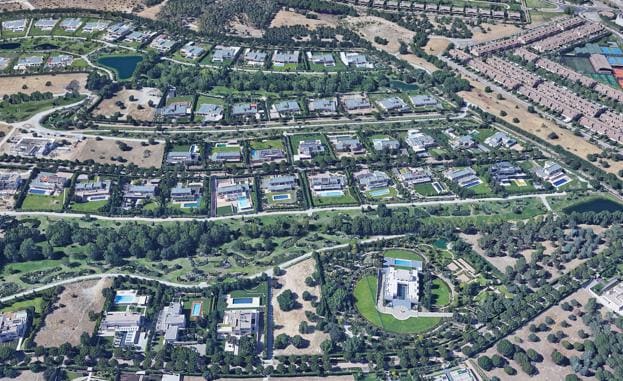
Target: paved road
x=268 y=272
x=308 y=212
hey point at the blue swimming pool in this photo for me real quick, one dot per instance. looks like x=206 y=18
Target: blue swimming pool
x=331 y=193
x=560 y=182
x=37 y=191
x=279 y=197
x=242 y=300
x=243 y=203
x=379 y=192
x=194 y=204
x=402 y=262
x=124 y=299
x=196 y=309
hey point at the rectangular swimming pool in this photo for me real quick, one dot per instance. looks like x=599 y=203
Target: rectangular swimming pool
x=124 y=299
x=37 y=191
x=379 y=192
x=332 y=193
x=243 y=203
x=196 y=310
x=279 y=197
x=242 y=300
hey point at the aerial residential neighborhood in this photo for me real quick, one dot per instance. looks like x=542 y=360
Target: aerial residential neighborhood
x=328 y=190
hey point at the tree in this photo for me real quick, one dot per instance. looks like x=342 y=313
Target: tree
x=485 y=363
x=281 y=341
x=287 y=300
x=559 y=359
x=505 y=348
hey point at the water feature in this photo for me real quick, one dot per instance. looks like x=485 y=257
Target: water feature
x=124 y=66
x=599 y=204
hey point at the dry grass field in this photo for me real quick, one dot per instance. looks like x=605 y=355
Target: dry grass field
x=436 y=45
x=493 y=31
x=533 y=123
x=12 y=6
x=114 y=5
x=547 y=369
x=58 y=83
x=26 y=375
x=108 y=107
x=291 y=18
x=288 y=322
x=152 y=12
x=102 y=152
x=70 y=317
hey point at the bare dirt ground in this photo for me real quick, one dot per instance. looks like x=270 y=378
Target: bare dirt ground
x=533 y=123
x=11 y=6
x=114 y=5
x=243 y=28
x=291 y=18
x=493 y=31
x=70 y=317
x=547 y=369
x=436 y=45
x=13 y=85
x=26 y=375
x=102 y=151
x=369 y=27
x=152 y=12
x=108 y=107
x=288 y=322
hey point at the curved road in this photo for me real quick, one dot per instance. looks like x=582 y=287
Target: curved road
x=183 y=285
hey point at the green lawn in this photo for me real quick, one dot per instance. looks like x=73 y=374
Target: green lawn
x=36 y=303
x=36 y=202
x=425 y=189
x=88 y=207
x=441 y=293
x=403 y=254
x=20 y=267
x=391 y=193
x=365 y=301
x=23 y=111
x=346 y=198
x=481 y=189
x=226 y=210
x=266 y=144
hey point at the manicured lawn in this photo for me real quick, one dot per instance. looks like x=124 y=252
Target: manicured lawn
x=224 y=211
x=425 y=189
x=41 y=202
x=481 y=189
x=23 y=111
x=88 y=207
x=20 y=267
x=441 y=293
x=403 y=254
x=365 y=301
x=266 y=144
x=347 y=198
x=36 y=303
x=260 y=290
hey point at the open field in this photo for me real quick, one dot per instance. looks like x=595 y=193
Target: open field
x=152 y=12
x=104 y=150
x=307 y=378
x=70 y=317
x=547 y=369
x=493 y=31
x=288 y=322
x=115 y=5
x=26 y=375
x=137 y=109
x=14 y=85
x=533 y=123
x=436 y=45
x=369 y=27
x=291 y=18
x=365 y=301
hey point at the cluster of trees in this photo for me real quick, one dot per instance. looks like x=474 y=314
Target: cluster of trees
x=18 y=98
x=190 y=80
